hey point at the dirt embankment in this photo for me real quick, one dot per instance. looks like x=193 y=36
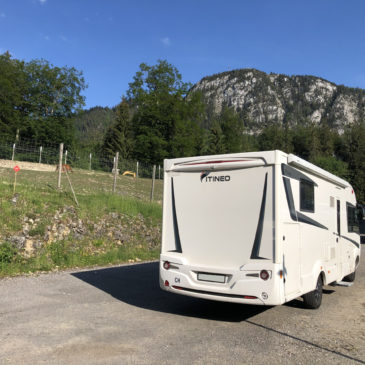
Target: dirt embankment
x=27 y=165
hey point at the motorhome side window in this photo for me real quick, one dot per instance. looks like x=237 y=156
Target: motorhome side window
x=306 y=196
x=352 y=221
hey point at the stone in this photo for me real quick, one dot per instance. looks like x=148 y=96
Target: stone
x=28 y=248
x=18 y=241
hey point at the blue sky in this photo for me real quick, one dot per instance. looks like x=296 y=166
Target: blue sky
x=108 y=39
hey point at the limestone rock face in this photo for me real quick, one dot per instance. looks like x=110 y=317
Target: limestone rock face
x=262 y=98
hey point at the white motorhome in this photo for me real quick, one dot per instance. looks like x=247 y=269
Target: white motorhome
x=256 y=228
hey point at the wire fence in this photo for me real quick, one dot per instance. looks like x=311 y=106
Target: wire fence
x=28 y=151
x=144 y=183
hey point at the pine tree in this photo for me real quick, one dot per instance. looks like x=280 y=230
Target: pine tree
x=118 y=137
x=216 y=139
x=232 y=129
x=355 y=143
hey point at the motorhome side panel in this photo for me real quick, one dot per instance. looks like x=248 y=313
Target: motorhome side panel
x=316 y=216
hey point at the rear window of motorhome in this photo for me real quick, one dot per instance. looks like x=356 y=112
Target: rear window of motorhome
x=306 y=196
x=352 y=221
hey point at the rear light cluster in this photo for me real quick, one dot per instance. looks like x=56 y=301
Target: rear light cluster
x=264 y=275
x=168 y=265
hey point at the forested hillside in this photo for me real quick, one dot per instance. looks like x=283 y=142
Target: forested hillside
x=92 y=124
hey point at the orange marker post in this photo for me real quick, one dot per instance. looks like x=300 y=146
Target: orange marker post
x=16 y=169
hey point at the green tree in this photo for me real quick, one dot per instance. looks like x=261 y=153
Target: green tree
x=326 y=140
x=305 y=142
x=54 y=96
x=188 y=134
x=216 y=139
x=333 y=165
x=272 y=138
x=118 y=137
x=355 y=156
x=39 y=99
x=165 y=121
x=232 y=129
x=13 y=88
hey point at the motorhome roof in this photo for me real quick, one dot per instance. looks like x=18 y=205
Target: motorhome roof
x=246 y=159
x=307 y=166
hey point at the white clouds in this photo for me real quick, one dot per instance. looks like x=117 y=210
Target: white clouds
x=2 y=15
x=63 y=38
x=166 y=41
x=42 y=1
x=47 y=37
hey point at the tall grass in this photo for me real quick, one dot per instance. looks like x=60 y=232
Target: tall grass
x=37 y=198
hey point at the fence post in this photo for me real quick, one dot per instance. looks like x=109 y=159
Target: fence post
x=159 y=168
x=65 y=157
x=12 y=156
x=137 y=169
x=60 y=166
x=115 y=171
x=90 y=162
x=153 y=182
x=40 y=154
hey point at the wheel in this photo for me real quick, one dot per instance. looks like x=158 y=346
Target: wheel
x=313 y=299
x=350 y=278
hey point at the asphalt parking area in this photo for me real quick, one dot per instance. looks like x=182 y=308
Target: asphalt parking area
x=118 y=315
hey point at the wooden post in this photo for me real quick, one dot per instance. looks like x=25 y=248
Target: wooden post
x=40 y=154
x=159 y=171
x=90 y=162
x=153 y=182
x=60 y=166
x=65 y=157
x=137 y=170
x=115 y=171
x=12 y=156
x=72 y=189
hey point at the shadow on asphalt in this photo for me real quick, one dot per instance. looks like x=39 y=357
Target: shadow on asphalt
x=138 y=285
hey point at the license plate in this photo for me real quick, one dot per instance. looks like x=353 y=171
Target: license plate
x=214 y=278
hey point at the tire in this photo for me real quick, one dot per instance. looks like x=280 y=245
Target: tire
x=313 y=299
x=350 y=278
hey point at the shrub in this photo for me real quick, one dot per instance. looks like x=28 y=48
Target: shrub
x=7 y=252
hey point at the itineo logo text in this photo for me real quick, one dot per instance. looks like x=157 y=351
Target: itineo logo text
x=222 y=178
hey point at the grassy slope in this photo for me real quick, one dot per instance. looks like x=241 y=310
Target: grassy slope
x=114 y=227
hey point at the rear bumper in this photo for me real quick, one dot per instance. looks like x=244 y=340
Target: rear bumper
x=241 y=286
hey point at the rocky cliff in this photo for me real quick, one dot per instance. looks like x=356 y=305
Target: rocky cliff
x=262 y=98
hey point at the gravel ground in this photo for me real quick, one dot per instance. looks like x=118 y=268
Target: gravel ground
x=27 y=165
x=119 y=315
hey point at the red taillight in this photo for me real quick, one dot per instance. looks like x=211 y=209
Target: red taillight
x=166 y=265
x=177 y=287
x=249 y=297
x=167 y=283
x=264 y=275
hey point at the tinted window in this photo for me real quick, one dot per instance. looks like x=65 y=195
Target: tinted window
x=352 y=221
x=306 y=196
x=338 y=217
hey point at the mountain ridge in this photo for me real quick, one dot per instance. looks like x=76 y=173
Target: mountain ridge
x=262 y=98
